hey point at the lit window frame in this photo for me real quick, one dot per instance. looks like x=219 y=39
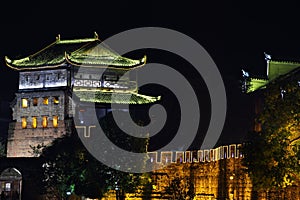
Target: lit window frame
x=24 y=103
x=56 y=100
x=44 y=121
x=34 y=122
x=45 y=100
x=55 y=121
x=24 y=122
x=7 y=186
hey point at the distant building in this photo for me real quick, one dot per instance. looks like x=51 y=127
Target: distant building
x=58 y=85
x=275 y=70
x=284 y=74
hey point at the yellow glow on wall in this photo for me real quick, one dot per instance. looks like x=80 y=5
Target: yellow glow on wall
x=257 y=127
x=45 y=122
x=55 y=121
x=34 y=122
x=45 y=101
x=24 y=103
x=56 y=100
x=24 y=122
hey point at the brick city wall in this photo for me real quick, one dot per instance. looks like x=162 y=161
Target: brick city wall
x=215 y=174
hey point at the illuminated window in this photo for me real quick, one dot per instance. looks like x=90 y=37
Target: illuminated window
x=34 y=122
x=56 y=100
x=45 y=100
x=24 y=122
x=45 y=122
x=35 y=101
x=55 y=121
x=7 y=187
x=24 y=103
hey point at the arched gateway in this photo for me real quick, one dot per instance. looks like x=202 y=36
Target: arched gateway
x=10 y=184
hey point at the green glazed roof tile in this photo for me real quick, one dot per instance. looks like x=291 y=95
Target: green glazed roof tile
x=90 y=51
x=114 y=97
x=255 y=84
x=276 y=69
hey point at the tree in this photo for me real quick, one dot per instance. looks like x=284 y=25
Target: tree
x=272 y=155
x=129 y=143
x=70 y=169
x=146 y=186
x=181 y=188
x=66 y=166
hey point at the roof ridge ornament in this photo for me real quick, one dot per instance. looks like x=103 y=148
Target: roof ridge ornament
x=58 y=38
x=267 y=56
x=96 y=35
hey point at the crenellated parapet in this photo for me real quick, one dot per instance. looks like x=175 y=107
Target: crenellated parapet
x=205 y=155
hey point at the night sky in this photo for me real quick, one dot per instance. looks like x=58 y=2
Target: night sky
x=235 y=34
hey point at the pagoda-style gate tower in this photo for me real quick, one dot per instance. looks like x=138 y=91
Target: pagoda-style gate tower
x=43 y=108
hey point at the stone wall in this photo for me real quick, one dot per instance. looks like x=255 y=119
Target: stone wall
x=46 y=116
x=20 y=140
x=222 y=179
x=41 y=109
x=212 y=177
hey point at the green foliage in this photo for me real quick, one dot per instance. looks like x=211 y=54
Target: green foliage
x=181 y=188
x=69 y=167
x=272 y=155
x=146 y=184
x=37 y=150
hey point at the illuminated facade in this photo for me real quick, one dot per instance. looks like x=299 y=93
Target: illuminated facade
x=44 y=109
x=214 y=173
x=50 y=80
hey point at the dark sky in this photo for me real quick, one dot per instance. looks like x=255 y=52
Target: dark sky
x=235 y=34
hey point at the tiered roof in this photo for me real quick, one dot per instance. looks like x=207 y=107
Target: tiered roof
x=83 y=52
x=114 y=98
x=88 y=52
x=276 y=69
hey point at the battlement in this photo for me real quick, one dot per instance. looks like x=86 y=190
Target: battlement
x=206 y=155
